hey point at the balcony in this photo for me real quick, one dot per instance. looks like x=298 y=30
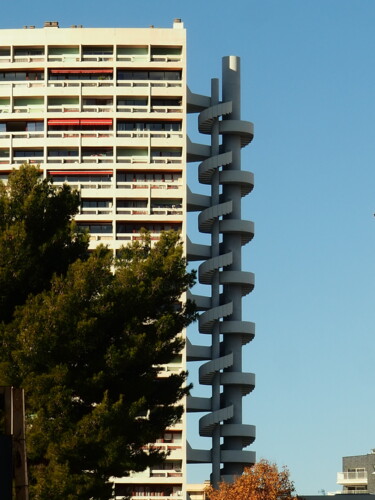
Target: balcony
x=166 y=159
x=137 y=236
x=80 y=83
x=31 y=108
x=149 y=83
x=97 y=159
x=80 y=133
x=352 y=478
x=69 y=58
x=96 y=211
x=149 y=185
x=28 y=159
x=154 y=134
x=353 y=492
x=166 y=109
x=97 y=109
x=63 y=108
x=29 y=58
x=21 y=135
x=137 y=108
x=165 y=473
x=63 y=159
x=97 y=57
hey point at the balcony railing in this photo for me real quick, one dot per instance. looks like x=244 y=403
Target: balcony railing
x=166 y=159
x=100 y=237
x=63 y=159
x=132 y=159
x=29 y=59
x=77 y=83
x=21 y=135
x=97 y=159
x=353 y=492
x=79 y=133
x=165 y=473
x=63 y=108
x=24 y=84
x=152 y=496
x=166 y=109
x=349 y=478
x=31 y=108
x=149 y=185
x=123 y=108
x=63 y=58
x=97 y=58
x=149 y=83
x=147 y=58
x=137 y=236
x=32 y=159
x=97 y=109
x=166 y=58
x=86 y=185
x=132 y=211
x=96 y=210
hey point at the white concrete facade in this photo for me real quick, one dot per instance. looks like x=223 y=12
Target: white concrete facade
x=105 y=111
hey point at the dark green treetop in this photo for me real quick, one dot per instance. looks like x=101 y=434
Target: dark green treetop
x=37 y=236
x=89 y=346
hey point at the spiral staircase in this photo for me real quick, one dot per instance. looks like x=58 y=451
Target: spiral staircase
x=221 y=269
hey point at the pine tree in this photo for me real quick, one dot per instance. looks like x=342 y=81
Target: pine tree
x=37 y=236
x=88 y=352
x=86 y=337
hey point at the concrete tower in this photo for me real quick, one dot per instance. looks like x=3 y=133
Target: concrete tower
x=220 y=216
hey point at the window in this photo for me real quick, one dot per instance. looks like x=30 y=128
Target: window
x=135 y=101
x=62 y=152
x=27 y=153
x=148 y=75
x=29 y=51
x=96 y=228
x=96 y=203
x=21 y=75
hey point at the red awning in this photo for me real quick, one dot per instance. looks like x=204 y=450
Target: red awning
x=63 y=121
x=96 y=121
x=90 y=71
x=80 y=172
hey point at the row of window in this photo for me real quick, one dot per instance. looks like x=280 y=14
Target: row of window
x=121 y=126
x=129 y=203
x=106 y=152
x=136 y=177
x=90 y=50
x=90 y=75
x=141 y=490
x=127 y=228
x=73 y=103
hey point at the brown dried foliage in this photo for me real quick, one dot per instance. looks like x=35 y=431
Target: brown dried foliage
x=262 y=481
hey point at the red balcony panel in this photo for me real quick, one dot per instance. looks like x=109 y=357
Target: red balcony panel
x=63 y=121
x=96 y=121
x=80 y=172
x=77 y=71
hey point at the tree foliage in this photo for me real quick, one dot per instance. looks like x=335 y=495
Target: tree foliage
x=88 y=349
x=262 y=481
x=37 y=236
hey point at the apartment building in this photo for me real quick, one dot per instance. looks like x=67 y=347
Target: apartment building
x=104 y=110
x=358 y=474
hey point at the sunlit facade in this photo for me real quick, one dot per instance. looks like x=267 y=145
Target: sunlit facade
x=104 y=110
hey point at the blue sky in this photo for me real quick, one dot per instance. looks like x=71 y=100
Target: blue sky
x=308 y=83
